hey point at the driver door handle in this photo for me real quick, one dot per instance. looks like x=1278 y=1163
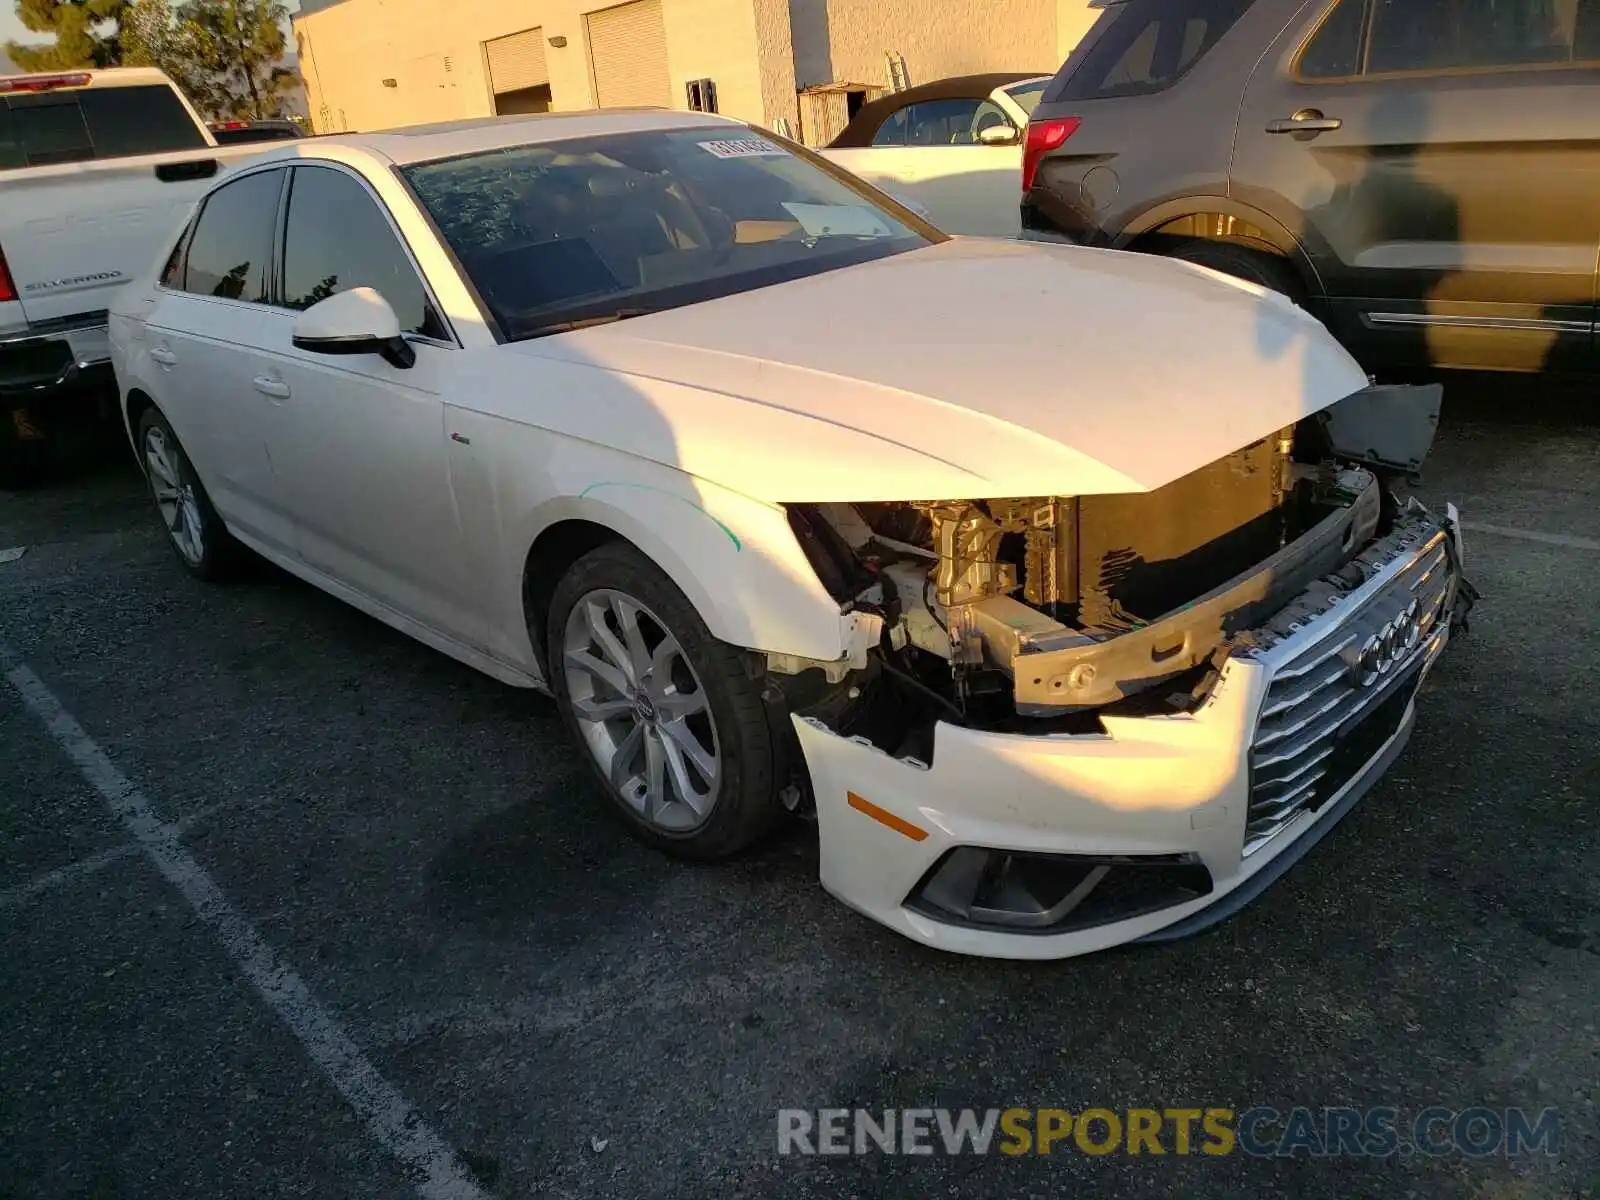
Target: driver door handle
x=164 y=356
x=268 y=386
x=1307 y=120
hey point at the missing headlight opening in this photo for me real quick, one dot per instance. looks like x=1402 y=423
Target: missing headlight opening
x=1037 y=614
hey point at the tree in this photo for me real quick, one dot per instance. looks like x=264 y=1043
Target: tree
x=85 y=32
x=152 y=37
x=232 y=52
x=226 y=55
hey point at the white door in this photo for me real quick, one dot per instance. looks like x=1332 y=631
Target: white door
x=929 y=153
x=210 y=314
x=361 y=457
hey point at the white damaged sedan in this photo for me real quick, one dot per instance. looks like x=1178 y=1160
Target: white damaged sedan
x=1066 y=590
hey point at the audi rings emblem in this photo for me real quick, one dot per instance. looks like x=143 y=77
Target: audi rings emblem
x=1386 y=649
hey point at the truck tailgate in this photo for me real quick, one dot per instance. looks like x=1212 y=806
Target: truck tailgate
x=73 y=233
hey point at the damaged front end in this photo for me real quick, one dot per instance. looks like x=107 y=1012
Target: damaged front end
x=1043 y=614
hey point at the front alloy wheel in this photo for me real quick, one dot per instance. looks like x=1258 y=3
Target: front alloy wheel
x=671 y=720
x=641 y=710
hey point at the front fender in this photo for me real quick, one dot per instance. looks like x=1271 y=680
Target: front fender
x=735 y=558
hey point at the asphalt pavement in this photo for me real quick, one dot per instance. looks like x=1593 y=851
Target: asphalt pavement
x=294 y=906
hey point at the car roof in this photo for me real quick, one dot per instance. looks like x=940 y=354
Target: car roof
x=873 y=113
x=425 y=143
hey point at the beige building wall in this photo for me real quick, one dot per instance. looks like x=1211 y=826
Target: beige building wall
x=845 y=41
x=715 y=39
x=1073 y=18
x=759 y=52
x=775 y=49
x=436 y=59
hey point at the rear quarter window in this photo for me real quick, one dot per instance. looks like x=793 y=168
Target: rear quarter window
x=85 y=124
x=1145 y=46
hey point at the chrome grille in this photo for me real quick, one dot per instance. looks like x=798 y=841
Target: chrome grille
x=1317 y=704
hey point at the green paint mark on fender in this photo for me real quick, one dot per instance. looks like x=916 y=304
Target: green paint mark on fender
x=645 y=487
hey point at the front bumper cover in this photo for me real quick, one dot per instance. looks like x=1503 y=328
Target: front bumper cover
x=1151 y=788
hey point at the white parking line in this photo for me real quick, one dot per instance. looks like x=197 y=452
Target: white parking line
x=389 y=1118
x=1533 y=535
x=12 y=897
x=82 y=868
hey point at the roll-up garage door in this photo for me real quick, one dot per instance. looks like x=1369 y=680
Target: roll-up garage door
x=628 y=50
x=517 y=62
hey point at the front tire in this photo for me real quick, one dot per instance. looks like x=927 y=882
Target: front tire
x=670 y=719
x=199 y=538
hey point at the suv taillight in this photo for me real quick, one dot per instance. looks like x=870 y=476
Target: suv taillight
x=1043 y=137
x=8 y=290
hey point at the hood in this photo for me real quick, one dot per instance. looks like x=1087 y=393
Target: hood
x=973 y=368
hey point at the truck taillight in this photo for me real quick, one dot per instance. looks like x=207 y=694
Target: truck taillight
x=1043 y=137
x=43 y=83
x=8 y=290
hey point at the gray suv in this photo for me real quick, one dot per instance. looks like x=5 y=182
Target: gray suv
x=1422 y=174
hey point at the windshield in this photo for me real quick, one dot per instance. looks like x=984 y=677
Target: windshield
x=573 y=232
x=1027 y=95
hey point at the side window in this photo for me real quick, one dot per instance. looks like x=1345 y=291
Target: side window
x=92 y=123
x=11 y=152
x=48 y=128
x=149 y=119
x=1438 y=35
x=893 y=130
x=1148 y=47
x=941 y=122
x=232 y=241
x=1334 y=51
x=337 y=238
x=172 y=273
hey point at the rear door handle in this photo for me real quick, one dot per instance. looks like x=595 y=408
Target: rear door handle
x=164 y=356
x=1307 y=120
x=268 y=386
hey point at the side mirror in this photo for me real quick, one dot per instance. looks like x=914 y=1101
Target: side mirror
x=359 y=321
x=998 y=135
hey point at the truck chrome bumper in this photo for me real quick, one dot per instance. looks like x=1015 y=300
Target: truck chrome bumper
x=36 y=362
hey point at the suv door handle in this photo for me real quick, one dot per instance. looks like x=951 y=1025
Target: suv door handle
x=164 y=356
x=1307 y=120
x=268 y=386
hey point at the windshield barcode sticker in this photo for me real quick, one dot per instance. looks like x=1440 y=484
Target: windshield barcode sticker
x=743 y=148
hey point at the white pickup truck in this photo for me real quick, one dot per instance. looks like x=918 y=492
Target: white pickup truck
x=96 y=169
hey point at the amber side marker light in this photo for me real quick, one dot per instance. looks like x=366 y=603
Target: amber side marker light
x=885 y=817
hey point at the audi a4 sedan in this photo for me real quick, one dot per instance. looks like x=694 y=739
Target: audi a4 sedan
x=1073 y=631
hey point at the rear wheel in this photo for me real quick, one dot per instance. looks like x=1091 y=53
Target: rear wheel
x=1247 y=263
x=203 y=544
x=670 y=719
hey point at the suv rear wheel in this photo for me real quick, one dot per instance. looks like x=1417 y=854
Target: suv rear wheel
x=1244 y=262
